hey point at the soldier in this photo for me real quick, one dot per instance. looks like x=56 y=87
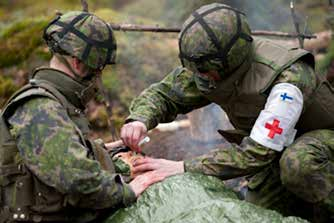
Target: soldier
x=49 y=169
x=282 y=111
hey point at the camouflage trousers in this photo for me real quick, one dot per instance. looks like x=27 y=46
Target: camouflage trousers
x=301 y=182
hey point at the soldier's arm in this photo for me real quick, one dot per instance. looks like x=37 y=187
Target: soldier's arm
x=49 y=144
x=249 y=157
x=233 y=160
x=302 y=76
x=161 y=102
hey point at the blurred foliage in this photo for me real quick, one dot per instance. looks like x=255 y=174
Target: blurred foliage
x=322 y=65
x=20 y=40
x=142 y=58
x=7 y=88
x=172 y=12
x=262 y=14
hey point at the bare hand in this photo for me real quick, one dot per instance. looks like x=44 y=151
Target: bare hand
x=132 y=133
x=164 y=168
x=143 y=181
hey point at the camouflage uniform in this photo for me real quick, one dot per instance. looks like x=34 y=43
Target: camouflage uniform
x=49 y=169
x=225 y=65
x=181 y=92
x=71 y=184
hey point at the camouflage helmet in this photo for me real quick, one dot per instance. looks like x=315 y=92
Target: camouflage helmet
x=84 y=36
x=215 y=37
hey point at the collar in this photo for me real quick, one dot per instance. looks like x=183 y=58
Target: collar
x=66 y=85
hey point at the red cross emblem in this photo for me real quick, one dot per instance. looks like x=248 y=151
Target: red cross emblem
x=274 y=128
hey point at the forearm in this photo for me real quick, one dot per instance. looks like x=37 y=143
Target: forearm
x=233 y=160
x=153 y=107
x=161 y=102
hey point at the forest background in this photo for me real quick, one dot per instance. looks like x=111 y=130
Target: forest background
x=142 y=58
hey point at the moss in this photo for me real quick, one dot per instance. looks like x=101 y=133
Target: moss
x=7 y=88
x=18 y=9
x=42 y=52
x=20 y=40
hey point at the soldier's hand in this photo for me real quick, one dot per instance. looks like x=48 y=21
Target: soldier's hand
x=143 y=181
x=163 y=168
x=132 y=133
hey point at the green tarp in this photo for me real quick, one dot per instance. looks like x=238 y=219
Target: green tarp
x=194 y=198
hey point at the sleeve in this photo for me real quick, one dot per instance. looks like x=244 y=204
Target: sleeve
x=51 y=148
x=252 y=156
x=162 y=102
x=232 y=160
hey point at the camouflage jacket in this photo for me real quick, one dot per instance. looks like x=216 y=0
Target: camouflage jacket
x=51 y=147
x=178 y=93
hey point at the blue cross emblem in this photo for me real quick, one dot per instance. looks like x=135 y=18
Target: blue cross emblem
x=286 y=97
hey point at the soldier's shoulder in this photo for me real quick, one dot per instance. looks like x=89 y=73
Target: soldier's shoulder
x=176 y=76
x=270 y=46
x=41 y=102
x=181 y=71
x=179 y=75
x=261 y=42
x=36 y=111
x=35 y=106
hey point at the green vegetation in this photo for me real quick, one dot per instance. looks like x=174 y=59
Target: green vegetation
x=7 y=88
x=142 y=58
x=325 y=62
x=20 y=40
